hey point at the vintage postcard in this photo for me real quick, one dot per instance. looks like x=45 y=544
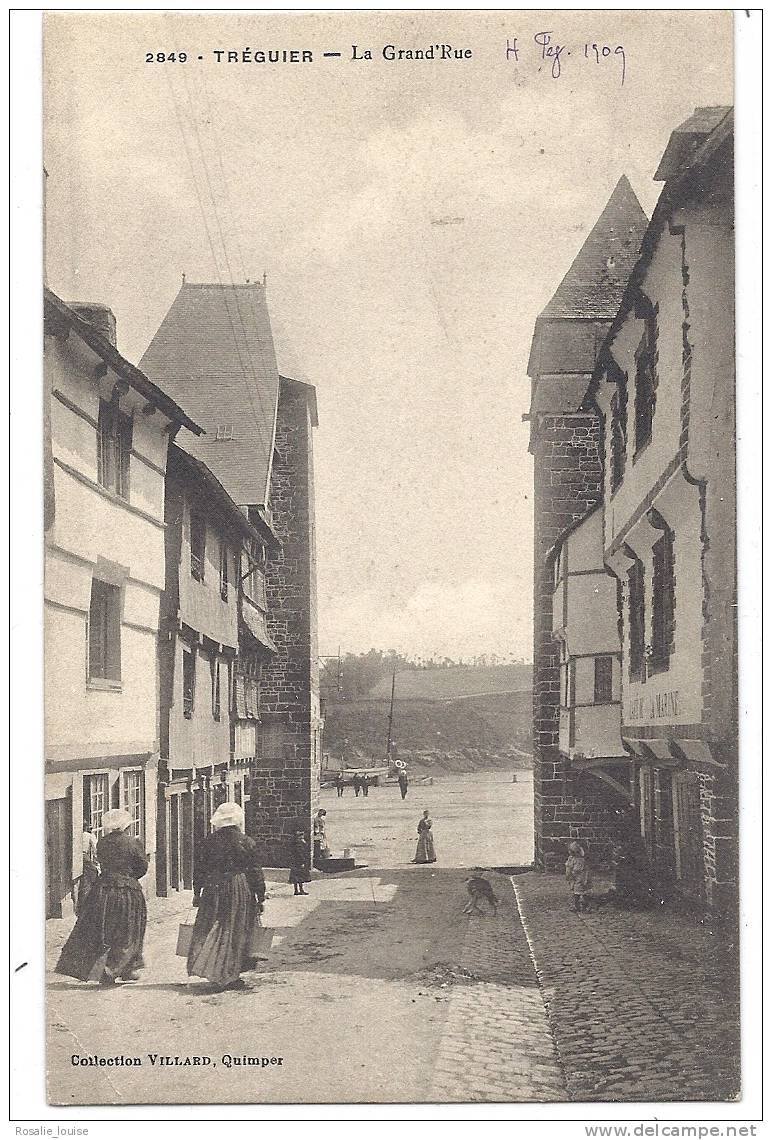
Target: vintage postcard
x=391 y=710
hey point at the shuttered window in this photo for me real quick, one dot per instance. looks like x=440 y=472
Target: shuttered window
x=104 y=632
x=114 y=438
x=603 y=680
x=663 y=601
x=188 y=682
x=214 y=666
x=197 y=545
x=637 y=617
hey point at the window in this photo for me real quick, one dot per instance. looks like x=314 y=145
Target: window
x=564 y=685
x=637 y=612
x=114 y=449
x=224 y=432
x=224 y=571
x=560 y=564
x=254 y=573
x=571 y=682
x=618 y=437
x=188 y=682
x=237 y=794
x=603 y=680
x=133 y=799
x=663 y=601
x=645 y=381
x=95 y=801
x=214 y=665
x=104 y=632
x=197 y=545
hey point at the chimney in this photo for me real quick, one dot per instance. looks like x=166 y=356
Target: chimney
x=100 y=316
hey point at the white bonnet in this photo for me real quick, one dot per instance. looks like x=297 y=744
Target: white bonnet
x=228 y=814
x=116 y=820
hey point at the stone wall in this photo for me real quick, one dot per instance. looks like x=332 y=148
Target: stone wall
x=567 y=484
x=284 y=788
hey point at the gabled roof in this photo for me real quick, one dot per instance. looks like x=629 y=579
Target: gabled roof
x=686 y=138
x=593 y=286
x=697 y=169
x=191 y=469
x=214 y=352
x=59 y=316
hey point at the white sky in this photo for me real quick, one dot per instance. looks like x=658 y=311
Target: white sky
x=329 y=177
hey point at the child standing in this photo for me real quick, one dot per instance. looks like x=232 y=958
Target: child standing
x=578 y=876
x=300 y=863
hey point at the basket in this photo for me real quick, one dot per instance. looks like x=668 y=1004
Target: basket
x=184 y=939
x=261 y=940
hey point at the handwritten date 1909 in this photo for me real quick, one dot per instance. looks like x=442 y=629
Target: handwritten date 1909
x=547 y=51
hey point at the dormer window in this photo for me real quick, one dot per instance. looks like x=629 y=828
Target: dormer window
x=114 y=438
x=224 y=432
x=663 y=601
x=197 y=545
x=645 y=380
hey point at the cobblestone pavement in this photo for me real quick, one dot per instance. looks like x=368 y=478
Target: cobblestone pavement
x=497 y=1045
x=378 y=988
x=642 y=1004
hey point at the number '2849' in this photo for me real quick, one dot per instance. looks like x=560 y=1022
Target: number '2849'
x=166 y=57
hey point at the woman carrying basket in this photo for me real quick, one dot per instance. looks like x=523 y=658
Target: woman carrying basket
x=229 y=890
x=105 y=945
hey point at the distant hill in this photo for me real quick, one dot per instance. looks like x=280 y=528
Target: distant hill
x=452 y=719
x=453 y=682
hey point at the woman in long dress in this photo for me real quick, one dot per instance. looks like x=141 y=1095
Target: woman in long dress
x=105 y=944
x=424 y=852
x=229 y=890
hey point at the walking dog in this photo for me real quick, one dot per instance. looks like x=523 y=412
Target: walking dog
x=479 y=889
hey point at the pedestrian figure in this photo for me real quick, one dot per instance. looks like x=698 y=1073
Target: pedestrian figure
x=365 y=785
x=229 y=890
x=424 y=852
x=340 y=783
x=402 y=781
x=106 y=942
x=320 y=837
x=300 y=863
x=579 y=877
x=633 y=875
x=357 y=784
x=90 y=871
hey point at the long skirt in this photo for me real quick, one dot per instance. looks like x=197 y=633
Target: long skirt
x=106 y=941
x=300 y=875
x=83 y=887
x=220 y=946
x=424 y=852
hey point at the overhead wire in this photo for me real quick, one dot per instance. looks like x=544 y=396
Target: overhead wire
x=258 y=417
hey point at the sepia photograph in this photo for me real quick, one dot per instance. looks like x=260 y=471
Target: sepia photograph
x=390 y=600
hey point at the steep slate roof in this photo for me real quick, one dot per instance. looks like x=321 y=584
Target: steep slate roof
x=58 y=314
x=593 y=286
x=214 y=353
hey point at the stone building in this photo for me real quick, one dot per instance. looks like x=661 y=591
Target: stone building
x=659 y=409
x=214 y=351
x=568 y=465
x=586 y=628
x=107 y=440
x=209 y=704
x=664 y=387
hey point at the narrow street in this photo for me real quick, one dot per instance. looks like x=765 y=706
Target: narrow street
x=534 y=1005
x=459 y=1013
